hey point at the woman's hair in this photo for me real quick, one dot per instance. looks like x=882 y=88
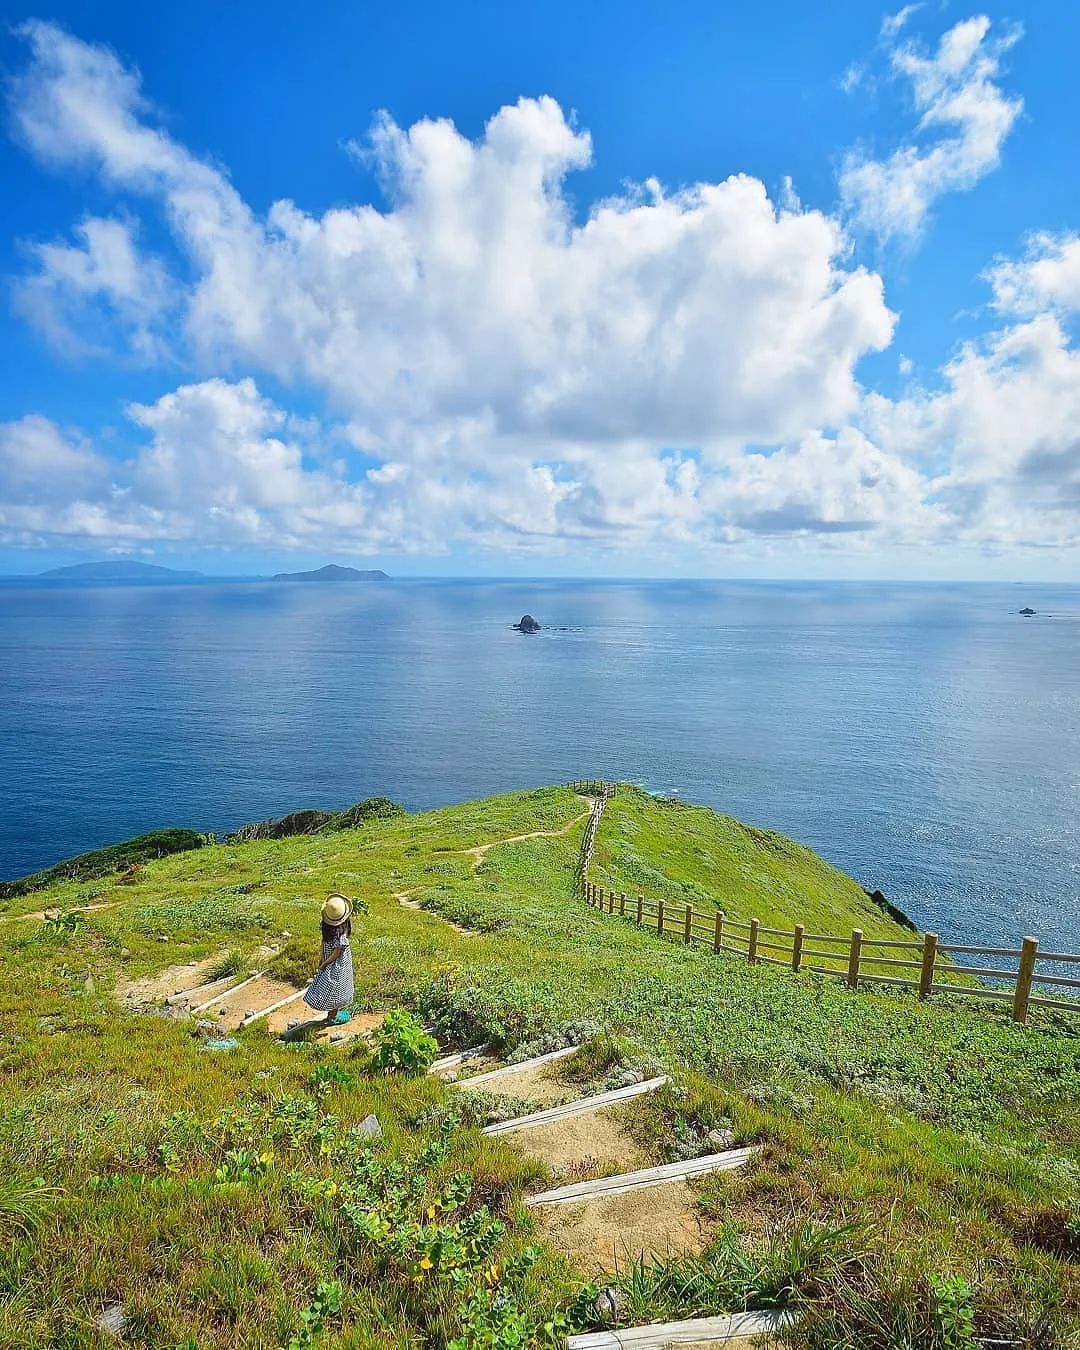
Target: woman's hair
x=333 y=930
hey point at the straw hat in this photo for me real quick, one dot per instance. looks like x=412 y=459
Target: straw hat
x=336 y=909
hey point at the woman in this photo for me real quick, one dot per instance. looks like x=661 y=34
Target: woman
x=331 y=990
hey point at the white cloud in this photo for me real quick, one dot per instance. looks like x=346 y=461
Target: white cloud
x=41 y=463
x=664 y=370
x=477 y=299
x=1001 y=440
x=1047 y=278
x=83 y=296
x=893 y=23
x=963 y=115
x=221 y=465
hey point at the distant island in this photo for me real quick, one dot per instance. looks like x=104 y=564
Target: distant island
x=128 y=569
x=332 y=572
x=120 y=569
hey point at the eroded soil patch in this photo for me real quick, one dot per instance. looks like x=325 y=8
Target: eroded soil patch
x=582 y=1148
x=611 y=1233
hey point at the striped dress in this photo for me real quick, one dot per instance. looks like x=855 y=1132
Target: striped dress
x=332 y=987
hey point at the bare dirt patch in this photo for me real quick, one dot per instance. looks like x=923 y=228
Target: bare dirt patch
x=173 y=980
x=612 y=1232
x=537 y=1084
x=261 y=993
x=312 y=1027
x=582 y=1148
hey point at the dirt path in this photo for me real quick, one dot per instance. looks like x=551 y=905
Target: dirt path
x=480 y=851
x=40 y=913
x=405 y=898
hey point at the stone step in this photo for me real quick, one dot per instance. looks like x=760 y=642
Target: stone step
x=647 y=1176
x=698 y=1331
x=554 y=1113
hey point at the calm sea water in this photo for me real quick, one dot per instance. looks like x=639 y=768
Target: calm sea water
x=924 y=738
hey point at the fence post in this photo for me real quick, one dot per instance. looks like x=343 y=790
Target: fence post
x=751 y=953
x=718 y=932
x=1029 y=949
x=796 y=947
x=611 y=902
x=688 y=926
x=929 y=957
x=622 y=904
x=853 y=958
x=640 y=907
x=659 y=916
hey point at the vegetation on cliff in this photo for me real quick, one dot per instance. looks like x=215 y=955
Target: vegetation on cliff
x=933 y=1150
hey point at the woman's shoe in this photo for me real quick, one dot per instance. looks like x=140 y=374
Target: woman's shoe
x=343 y=1016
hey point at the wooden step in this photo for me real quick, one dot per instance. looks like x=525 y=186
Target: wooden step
x=273 y=1007
x=647 y=1176
x=697 y=1331
x=200 y=990
x=597 y=1103
x=224 y=994
x=449 y=1062
x=482 y=1079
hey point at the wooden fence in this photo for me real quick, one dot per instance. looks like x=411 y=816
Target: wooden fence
x=926 y=965
x=600 y=793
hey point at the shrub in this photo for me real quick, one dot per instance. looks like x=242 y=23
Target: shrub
x=403 y=1046
x=102 y=861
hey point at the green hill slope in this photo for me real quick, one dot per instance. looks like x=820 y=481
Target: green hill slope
x=948 y=1137
x=690 y=854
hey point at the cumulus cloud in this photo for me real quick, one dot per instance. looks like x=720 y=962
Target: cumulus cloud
x=89 y=296
x=497 y=367
x=963 y=115
x=1000 y=442
x=689 y=316
x=476 y=333
x=1047 y=278
x=220 y=465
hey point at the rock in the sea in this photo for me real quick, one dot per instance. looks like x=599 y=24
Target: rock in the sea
x=527 y=624
x=1028 y=611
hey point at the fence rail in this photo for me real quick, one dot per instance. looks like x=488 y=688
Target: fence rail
x=600 y=792
x=856 y=962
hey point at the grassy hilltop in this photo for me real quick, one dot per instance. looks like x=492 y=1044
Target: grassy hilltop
x=919 y=1185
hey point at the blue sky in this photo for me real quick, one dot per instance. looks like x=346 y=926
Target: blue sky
x=770 y=292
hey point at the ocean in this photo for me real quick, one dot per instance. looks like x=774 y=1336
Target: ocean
x=924 y=738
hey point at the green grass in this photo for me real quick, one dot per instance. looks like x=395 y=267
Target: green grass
x=691 y=855
x=947 y=1136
